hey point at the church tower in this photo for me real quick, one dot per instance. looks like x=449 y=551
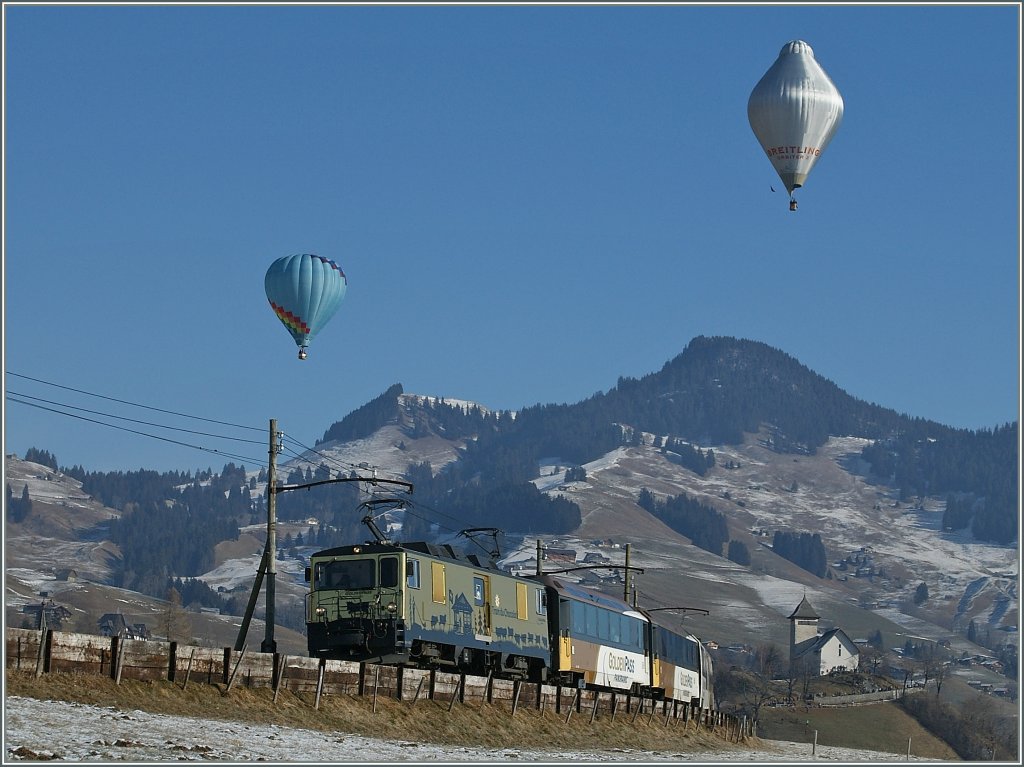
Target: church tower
x=803 y=625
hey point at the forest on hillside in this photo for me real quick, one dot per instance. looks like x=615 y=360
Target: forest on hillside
x=714 y=392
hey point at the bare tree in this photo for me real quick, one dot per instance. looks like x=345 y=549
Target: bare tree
x=981 y=717
x=177 y=627
x=767 y=663
x=931 y=661
x=908 y=677
x=804 y=670
x=871 y=658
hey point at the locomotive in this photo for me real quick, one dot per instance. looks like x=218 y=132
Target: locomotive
x=431 y=606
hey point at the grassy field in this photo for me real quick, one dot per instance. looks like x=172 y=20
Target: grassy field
x=423 y=721
x=877 y=727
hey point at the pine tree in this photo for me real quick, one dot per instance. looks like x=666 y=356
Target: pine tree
x=921 y=594
x=18 y=509
x=739 y=553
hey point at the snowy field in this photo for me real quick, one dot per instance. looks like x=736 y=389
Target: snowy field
x=76 y=732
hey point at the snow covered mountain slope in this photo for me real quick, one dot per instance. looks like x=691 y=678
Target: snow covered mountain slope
x=880 y=549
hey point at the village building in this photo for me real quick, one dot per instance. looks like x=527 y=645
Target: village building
x=114 y=624
x=818 y=653
x=567 y=556
x=45 y=615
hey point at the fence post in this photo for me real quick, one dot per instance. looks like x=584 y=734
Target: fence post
x=320 y=686
x=119 y=663
x=189 y=669
x=227 y=665
x=419 y=688
x=231 y=679
x=376 y=679
x=279 y=675
x=44 y=637
x=572 y=707
x=172 y=661
x=457 y=691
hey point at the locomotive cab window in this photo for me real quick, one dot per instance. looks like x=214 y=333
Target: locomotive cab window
x=346 y=575
x=542 y=602
x=412 y=573
x=389 y=572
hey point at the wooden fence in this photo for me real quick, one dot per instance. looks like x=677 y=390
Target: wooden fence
x=49 y=651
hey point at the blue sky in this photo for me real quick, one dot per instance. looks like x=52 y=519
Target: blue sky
x=529 y=202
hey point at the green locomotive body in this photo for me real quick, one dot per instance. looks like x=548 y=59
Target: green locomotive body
x=419 y=604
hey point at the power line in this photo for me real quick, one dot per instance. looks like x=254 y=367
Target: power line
x=131 y=420
x=135 y=431
x=408 y=510
x=328 y=458
x=310 y=462
x=428 y=514
x=462 y=522
x=133 y=404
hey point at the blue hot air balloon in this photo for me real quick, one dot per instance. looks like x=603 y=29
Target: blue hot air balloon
x=305 y=291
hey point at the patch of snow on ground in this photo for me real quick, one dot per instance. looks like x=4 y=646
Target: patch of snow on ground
x=38 y=729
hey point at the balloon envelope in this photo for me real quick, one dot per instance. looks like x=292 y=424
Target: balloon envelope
x=794 y=111
x=305 y=291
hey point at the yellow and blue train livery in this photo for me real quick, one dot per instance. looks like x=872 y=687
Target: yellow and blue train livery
x=601 y=640
x=681 y=667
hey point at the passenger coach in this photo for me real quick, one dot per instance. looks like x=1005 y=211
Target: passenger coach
x=601 y=640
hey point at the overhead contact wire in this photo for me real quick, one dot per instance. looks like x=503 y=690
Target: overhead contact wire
x=133 y=420
x=135 y=404
x=134 y=431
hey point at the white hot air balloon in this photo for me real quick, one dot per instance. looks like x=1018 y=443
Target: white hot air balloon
x=794 y=111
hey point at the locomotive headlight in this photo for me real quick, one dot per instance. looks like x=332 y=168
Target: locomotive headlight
x=392 y=608
x=321 y=611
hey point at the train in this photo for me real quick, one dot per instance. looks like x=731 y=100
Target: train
x=432 y=606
